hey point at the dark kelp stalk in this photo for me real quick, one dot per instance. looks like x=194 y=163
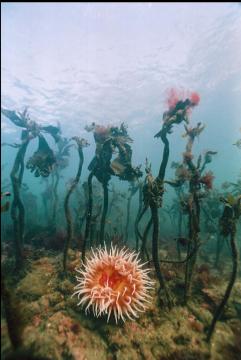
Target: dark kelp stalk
x=81 y=143
x=42 y=163
x=108 y=139
x=228 y=228
x=153 y=189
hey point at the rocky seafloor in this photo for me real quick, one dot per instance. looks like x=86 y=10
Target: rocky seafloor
x=54 y=327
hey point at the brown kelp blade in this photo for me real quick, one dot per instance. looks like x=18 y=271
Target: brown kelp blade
x=11 y=115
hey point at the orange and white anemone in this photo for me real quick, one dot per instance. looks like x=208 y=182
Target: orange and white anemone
x=114 y=282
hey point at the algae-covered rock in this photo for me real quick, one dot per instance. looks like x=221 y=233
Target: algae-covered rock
x=37 y=281
x=5 y=341
x=60 y=306
x=201 y=313
x=29 y=310
x=69 y=333
x=222 y=342
x=66 y=287
x=55 y=298
x=158 y=350
x=59 y=329
x=182 y=339
x=127 y=354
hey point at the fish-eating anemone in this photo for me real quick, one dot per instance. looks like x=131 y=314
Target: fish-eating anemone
x=114 y=282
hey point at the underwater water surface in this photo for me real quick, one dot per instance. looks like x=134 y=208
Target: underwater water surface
x=121 y=181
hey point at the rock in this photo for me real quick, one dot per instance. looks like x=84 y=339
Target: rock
x=229 y=313
x=60 y=306
x=44 y=303
x=127 y=354
x=55 y=298
x=195 y=324
x=203 y=314
x=157 y=351
x=66 y=287
x=182 y=339
x=59 y=329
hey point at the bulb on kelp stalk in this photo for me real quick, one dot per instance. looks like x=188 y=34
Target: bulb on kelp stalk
x=114 y=282
x=42 y=161
x=207 y=180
